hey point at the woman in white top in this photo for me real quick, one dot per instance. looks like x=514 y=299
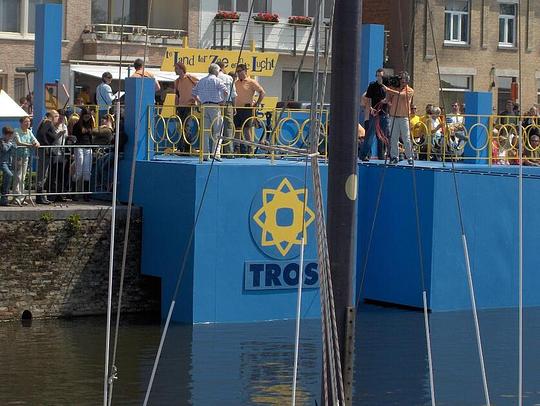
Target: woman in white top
x=25 y=140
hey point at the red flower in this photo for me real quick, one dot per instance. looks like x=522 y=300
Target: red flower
x=227 y=15
x=266 y=17
x=303 y=20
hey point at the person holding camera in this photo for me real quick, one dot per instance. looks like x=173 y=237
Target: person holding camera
x=378 y=117
x=400 y=104
x=104 y=95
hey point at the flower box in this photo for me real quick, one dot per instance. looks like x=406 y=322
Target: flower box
x=110 y=36
x=89 y=36
x=266 y=18
x=227 y=16
x=173 y=41
x=300 y=20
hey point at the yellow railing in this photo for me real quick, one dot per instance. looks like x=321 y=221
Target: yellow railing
x=489 y=139
x=246 y=132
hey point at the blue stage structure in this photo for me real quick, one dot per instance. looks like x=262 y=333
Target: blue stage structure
x=243 y=261
x=47 y=54
x=489 y=201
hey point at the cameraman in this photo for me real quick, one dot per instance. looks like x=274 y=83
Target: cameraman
x=378 y=113
x=400 y=105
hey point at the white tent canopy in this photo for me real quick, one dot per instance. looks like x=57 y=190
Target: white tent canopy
x=98 y=70
x=9 y=108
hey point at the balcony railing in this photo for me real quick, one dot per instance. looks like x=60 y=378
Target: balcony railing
x=133 y=33
x=280 y=37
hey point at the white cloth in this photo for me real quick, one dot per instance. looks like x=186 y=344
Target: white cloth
x=104 y=96
x=83 y=164
x=210 y=89
x=229 y=82
x=19 y=176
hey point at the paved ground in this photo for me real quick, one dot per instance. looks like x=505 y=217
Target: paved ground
x=90 y=209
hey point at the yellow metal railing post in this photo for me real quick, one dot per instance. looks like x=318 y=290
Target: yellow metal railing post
x=201 y=136
x=490 y=141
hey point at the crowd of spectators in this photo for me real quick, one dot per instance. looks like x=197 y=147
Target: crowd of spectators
x=438 y=135
x=69 y=155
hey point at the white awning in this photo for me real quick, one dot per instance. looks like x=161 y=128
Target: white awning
x=98 y=70
x=9 y=108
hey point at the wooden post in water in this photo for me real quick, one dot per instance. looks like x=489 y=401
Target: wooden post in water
x=342 y=174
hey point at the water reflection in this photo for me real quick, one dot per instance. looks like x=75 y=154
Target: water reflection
x=60 y=362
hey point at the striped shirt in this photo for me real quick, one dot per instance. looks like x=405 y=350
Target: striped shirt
x=211 y=89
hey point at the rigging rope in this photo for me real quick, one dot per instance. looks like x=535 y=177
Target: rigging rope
x=109 y=379
x=520 y=218
x=462 y=227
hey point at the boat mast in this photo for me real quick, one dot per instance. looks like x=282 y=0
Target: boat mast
x=342 y=174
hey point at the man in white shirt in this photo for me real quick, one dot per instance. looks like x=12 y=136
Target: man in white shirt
x=211 y=92
x=228 y=111
x=104 y=95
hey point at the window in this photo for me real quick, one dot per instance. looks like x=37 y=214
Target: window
x=10 y=15
x=456 y=21
x=504 y=92
x=309 y=8
x=454 y=88
x=19 y=88
x=507 y=25
x=110 y=11
x=19 y=16
x=32 y=12
x=303 y=88
x=260 y=6
x=3 y=82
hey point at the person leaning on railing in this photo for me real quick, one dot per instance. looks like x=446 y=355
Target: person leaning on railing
x=531 y=156
x=58 y=173
x=25 y=140
x=245 y=92
x=46 y=135
x=7 y=150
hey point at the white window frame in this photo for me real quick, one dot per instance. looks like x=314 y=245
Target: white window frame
x=507 y=18
x=233 y=6
x=305 y=11
x=459 y=15
x=23 y=32
x=457 y=89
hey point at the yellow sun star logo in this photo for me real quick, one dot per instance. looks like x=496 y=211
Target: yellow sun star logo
x=285 y=199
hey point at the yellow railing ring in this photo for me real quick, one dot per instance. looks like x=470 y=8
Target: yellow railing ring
x=196 y=133
x=468 y=138
x=279 y=127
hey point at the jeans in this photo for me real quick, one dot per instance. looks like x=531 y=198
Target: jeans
x=7 y=176
x=83 y=164
x=371 y=135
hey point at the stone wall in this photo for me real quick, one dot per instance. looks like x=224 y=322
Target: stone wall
x=54 y=262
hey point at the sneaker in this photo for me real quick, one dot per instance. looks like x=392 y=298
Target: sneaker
x=410 y=161
x=393 y=161
x=365 y=159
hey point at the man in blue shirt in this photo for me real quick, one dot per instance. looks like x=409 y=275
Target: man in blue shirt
x=211 y=92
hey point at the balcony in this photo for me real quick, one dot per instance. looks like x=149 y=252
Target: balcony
x=277 y=37
x=101 y=41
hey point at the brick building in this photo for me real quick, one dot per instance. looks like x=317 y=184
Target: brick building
x=92 y=38
x=476 y=43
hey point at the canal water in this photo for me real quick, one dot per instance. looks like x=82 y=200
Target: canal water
x=60 y=362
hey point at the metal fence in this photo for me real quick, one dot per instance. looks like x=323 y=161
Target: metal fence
x=194 y=131
x=58 y=173
x=492 y=139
